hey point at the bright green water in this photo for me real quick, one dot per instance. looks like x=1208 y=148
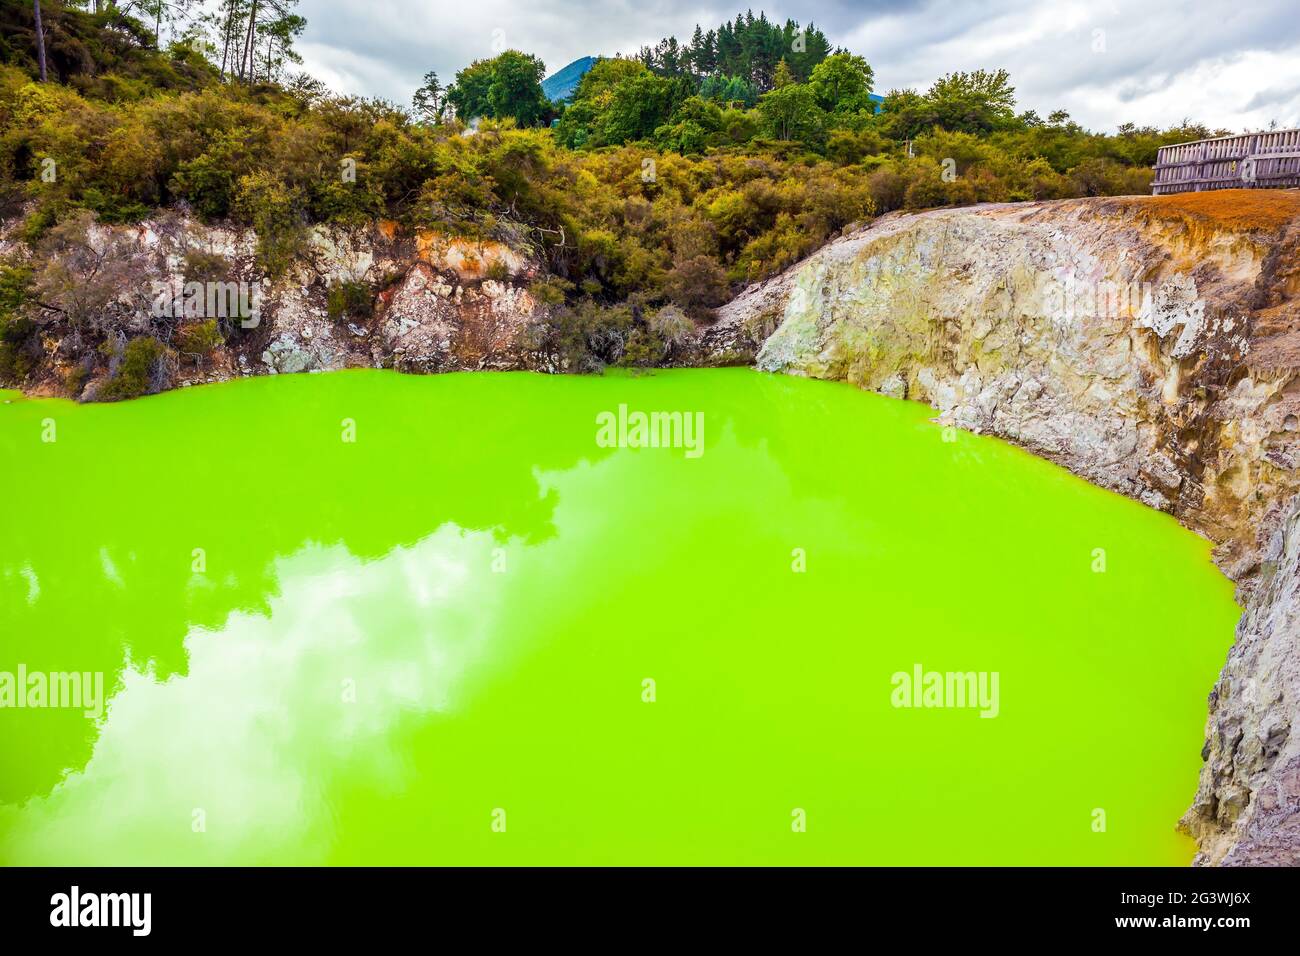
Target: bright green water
x=396 y=638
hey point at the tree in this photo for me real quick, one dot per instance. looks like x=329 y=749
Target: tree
x=40 y=39
x=229 y=15
x=976 y=102
x=841 y=83
x=905 y=114
x=279 y=32
x=247 y=27
x=606 y=75
x=155 y=12
x=782 y=76
x=792 y=113
x=619 y=101
x=637 y=106
x=246 y=54
x=468 y=95
x=429 y=99
x=509 y=85
x=697 y=54
x=691 y=126
x=750 y=48
x=730 y=90
x=815 y=48
x=516 y=88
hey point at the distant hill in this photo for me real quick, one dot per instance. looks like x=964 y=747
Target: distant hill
x=560 y=86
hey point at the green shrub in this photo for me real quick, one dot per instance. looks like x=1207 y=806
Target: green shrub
x=199 y=338
x=74 y=380
x=19 y=348
x=200 y=266
x=274 y=210
x=141 y=371
x=698 y=285
x=113 y=208
x=587 y=335
x=37 y=224
x=642 y=349
x=14 y=282
x=550 y=291
x=18 y=345
x=349 y=301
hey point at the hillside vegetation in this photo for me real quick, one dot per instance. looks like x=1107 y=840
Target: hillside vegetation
x=671 y=179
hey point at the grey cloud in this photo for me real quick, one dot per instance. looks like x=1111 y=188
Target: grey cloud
x=1274 y=96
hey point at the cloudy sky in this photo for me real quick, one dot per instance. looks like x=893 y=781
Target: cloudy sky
x=1232 y=65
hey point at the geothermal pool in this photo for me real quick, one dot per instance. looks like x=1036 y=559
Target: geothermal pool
x=369 y=618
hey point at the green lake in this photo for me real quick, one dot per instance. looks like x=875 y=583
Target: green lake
x=367 y=618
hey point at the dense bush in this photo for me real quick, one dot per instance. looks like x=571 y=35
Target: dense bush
x=349 y=300
x=141 y=369
x=18 y=345
x=198 y=339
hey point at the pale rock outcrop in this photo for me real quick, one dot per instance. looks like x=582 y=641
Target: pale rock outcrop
x=430 y=324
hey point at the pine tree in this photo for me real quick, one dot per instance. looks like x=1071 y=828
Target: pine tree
x=782 y=76
x=429 y=99
x=695 y=52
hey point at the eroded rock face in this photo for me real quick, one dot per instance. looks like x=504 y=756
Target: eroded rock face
x=440 y=303
x=437 y=309
x=1150 y=345
x=430 y=323
x=1248 y=806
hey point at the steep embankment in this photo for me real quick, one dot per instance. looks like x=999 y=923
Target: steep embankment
x=371 y=296
x=428 y=302
x=1148 y=344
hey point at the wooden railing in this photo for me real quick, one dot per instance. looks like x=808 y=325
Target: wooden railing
x=1248 y=161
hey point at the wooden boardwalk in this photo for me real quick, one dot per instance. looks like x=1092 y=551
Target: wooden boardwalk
x=1249 y=161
